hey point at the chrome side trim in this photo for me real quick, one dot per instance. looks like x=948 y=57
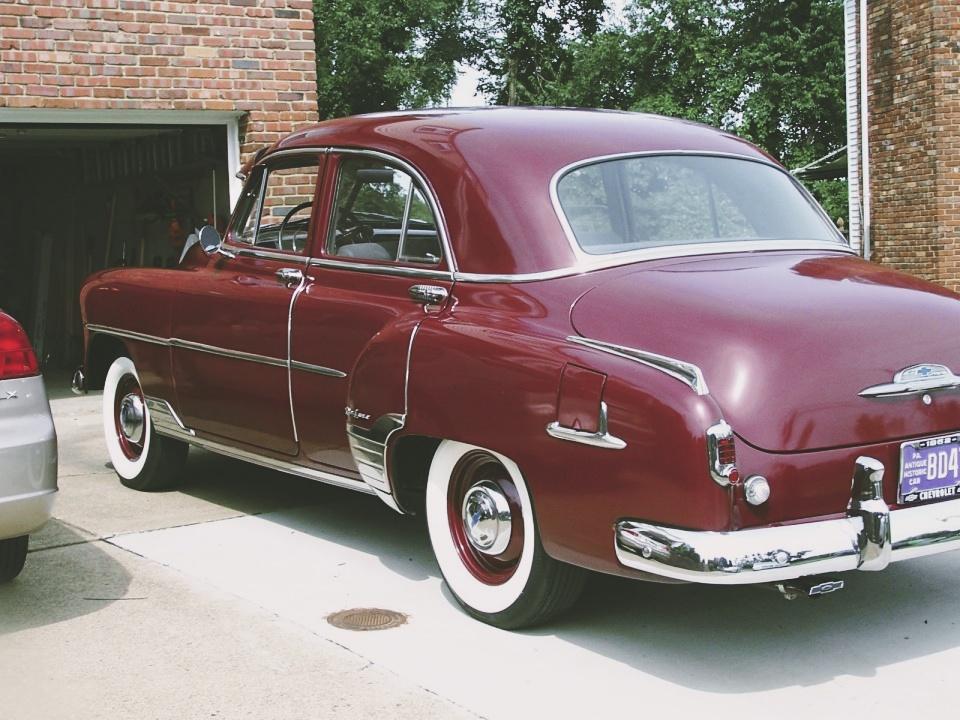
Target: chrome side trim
x=165 y=419
x=603 y=262
x=301 y=285
x=601 y=438
x=171 y=426
x=128 y=334
x=318 y=369
x=685 y=372
x=584 y=257
x=224 y=352
x=214 y=350
x=382 y=269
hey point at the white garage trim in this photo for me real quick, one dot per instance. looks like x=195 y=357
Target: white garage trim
x=57 y=116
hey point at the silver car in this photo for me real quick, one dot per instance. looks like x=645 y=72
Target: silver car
x=28 y=448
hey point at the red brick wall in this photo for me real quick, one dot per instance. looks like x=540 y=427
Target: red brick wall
x=914 y=97
x=251 y=55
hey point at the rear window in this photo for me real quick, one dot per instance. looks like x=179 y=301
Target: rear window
x=659 y=200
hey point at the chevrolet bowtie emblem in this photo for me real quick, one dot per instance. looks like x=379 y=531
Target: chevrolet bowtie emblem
x=914 y=380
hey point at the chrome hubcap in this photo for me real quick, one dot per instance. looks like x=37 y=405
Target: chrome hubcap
x=487 y=519
x=131 y=417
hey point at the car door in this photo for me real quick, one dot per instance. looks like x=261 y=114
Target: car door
x=231 y=322
x=383 y=252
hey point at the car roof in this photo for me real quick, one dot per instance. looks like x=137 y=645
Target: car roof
x=491 y=168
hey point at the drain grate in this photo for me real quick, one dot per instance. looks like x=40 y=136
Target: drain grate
x=363 y=619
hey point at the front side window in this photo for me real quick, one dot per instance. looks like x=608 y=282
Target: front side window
x=277 y=217
x=654 y=201
x=381 y=213
x=243 y=227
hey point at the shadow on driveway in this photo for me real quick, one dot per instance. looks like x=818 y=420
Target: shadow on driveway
x=61 y=583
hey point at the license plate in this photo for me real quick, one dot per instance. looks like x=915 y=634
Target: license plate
x=930 y=469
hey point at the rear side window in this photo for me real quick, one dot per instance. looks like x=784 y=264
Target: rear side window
x=381 y=213
x=653 y=201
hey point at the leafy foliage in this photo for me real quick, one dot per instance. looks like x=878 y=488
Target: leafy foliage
x=527 y=46
x=375 y=55
x=770 y=70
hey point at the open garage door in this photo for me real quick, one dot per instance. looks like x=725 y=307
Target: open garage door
x=76 y=198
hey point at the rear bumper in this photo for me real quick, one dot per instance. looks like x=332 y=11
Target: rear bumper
x=23 y=514
x=28 y=457
x=870 y=538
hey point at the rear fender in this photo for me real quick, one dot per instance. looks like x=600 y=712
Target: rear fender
x=498 y=390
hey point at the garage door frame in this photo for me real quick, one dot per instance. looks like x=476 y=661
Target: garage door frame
x=56 y=116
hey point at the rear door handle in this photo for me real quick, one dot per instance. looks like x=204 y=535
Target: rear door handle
x=428 y=294
x=290 y=276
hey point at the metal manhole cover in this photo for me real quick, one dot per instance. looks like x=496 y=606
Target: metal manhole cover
x=366 y=619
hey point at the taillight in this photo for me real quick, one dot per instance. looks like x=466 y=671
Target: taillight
x=722 y=451
x=17 y=358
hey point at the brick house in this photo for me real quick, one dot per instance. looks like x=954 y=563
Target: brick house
x=904 y=161
x=122 y=125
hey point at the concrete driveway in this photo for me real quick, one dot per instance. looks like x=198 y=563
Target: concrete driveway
x=211 y=602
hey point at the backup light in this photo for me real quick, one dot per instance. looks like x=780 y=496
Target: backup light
x=756 y=490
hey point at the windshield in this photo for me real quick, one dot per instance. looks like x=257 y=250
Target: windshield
x=656 y=200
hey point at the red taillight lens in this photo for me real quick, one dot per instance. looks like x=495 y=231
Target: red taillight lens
x=727 y=450
x=17 y=358
x=722 y=449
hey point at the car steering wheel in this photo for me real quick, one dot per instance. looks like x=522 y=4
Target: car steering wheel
x=286 y=218
x=352 y=230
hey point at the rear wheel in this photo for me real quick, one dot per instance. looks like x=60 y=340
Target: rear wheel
x=13 y=554
x=485 y=538
x=142 y=459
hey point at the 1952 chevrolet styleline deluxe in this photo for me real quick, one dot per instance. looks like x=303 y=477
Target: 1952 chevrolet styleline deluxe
x=570 y=339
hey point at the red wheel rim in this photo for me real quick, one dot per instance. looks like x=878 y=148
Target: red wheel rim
x=129 y=392
x=482 y=469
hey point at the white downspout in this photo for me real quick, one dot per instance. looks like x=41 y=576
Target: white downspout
x=864 y=133
x=851 y=53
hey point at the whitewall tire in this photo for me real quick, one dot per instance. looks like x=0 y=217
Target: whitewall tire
x=142 y=459
x=484 y=536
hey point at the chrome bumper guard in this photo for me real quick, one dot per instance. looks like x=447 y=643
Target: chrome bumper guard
x=869 y=538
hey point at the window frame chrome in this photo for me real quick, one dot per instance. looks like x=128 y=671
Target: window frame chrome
x=322 y=258
x=253 y=250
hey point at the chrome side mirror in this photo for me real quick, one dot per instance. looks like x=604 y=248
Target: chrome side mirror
x=212 y=243
x=210 y=239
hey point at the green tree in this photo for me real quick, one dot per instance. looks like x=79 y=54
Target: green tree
x=769 y=70
x=375 y=55
x=526 y=45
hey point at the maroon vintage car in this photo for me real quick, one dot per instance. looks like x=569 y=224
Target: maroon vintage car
x=570 y=339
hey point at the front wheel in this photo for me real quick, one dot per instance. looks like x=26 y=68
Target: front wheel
x=142 y=459
x=484 y=535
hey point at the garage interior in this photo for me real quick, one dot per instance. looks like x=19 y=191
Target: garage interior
x=80 y=198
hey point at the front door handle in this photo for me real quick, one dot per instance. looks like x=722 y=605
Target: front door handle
x=290 y=276
x=428 y=294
